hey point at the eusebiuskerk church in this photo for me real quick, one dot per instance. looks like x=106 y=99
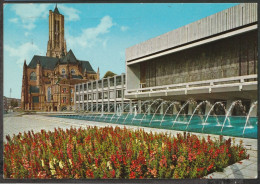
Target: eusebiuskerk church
x=48 y=81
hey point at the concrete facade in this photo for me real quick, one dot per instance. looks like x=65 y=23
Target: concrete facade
x=104 y=95
x=212 y=59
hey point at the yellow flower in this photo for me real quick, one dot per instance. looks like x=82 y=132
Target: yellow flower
x=54 y=160
x=42 y=163
x=51 y=165
x=53 y=172
x=70 y=162
x=109 y=165
x=61 y=164
x=163 y=145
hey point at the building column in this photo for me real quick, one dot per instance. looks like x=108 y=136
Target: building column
x=78 y=97
x=131 y=106
x=139 y=106
x=87 y=96
x=115 y=93
x=75 y=102
x=149 y=109
x=191 y=109
x=96 y=95
x=102 y=93
x=254 y=110
x=207 y=109
x=83 y=104
x=92 y=96
x=229 y=103
x=162 y=109
x=108 y=94
x=174 y=110
x=122 y=91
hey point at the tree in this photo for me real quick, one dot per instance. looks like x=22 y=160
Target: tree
x=109 y=74
x=14 y=103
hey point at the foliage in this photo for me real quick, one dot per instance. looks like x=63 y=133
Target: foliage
x=109 y=74
x=14 y=103
x=115 y=153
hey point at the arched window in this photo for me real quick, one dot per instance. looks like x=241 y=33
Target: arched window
x=49 y=94
x=72 y=71
x=63 y=71
x=33 y=76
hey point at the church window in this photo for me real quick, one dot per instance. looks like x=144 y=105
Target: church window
x=63 y=71
x=35 y=99
x=72 y=71
x=64 y=100
x=33 y=76
x=49 y=94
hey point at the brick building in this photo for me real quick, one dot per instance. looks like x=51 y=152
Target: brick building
x=48 y=81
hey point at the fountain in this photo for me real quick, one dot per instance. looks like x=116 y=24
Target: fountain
x=155 y=101
x=134 y=107
x=139 y=109
x=228 y=112
x=121 y=112
x=207 y=102
x=247 y=118
x=211 y=109
x=156 y=111
x=188 y=102
x=173 y=103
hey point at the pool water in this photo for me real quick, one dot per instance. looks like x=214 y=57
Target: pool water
x=234 y=125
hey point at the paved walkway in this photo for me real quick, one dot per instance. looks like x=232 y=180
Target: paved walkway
x=15 y=124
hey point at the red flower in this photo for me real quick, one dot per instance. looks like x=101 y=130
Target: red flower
x=113 y=173
x=210 y=167
x=132 y=175
x=89 y=174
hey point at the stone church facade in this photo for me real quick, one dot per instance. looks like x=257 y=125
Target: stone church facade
x=48 y=81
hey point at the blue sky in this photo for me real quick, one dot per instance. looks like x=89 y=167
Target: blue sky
x=98 y=33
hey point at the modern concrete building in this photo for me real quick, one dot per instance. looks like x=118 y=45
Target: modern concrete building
x=212 y=59
x=104 y=95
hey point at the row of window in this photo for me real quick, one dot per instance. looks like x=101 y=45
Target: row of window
x=119 y=94
x=105 y=84
x=63 y=71
x=35 y=99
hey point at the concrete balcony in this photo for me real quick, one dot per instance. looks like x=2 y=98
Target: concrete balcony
x=240 y=86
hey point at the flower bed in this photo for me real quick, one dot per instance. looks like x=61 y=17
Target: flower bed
x=115 y=153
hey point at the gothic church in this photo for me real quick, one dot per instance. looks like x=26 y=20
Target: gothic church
x=48 y=81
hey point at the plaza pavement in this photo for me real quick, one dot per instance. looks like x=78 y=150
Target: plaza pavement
x=13 y=124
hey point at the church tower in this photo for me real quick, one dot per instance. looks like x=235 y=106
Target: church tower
x=56 y=45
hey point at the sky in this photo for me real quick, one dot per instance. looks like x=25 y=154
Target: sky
x=98 y=33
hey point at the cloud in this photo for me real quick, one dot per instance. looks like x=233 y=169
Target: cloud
x=124 y=28
x=22 y=52
x=71 y=14
x=29 y=13
x=26 y=33
x=13 y=20
x=91 y=36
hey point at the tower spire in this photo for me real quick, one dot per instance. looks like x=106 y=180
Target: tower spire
x=56 y=45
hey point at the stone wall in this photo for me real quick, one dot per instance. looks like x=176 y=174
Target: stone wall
x=228 y=57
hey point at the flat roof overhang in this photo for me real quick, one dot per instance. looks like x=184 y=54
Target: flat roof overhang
x=194 y=44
